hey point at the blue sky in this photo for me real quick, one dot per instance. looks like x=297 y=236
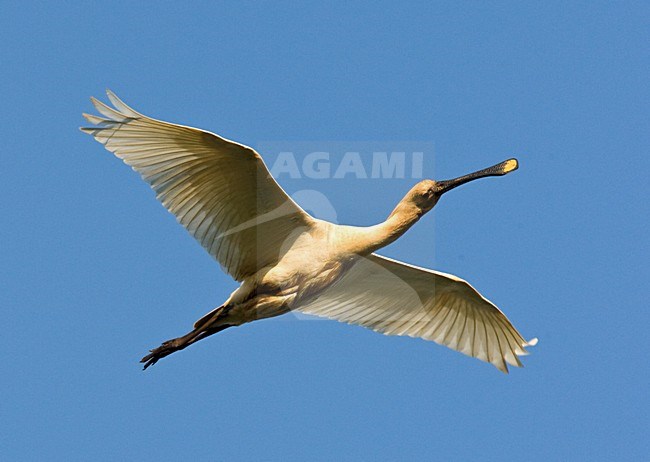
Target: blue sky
x=96 y=272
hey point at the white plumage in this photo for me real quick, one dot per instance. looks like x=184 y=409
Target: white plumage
x=213 y=186
x=224 y=195
x=395 y=298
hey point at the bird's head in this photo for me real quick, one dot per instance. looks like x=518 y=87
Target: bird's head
x=426 y=193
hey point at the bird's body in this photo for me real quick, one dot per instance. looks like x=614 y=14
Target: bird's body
x=287 y=260
x=320 y=254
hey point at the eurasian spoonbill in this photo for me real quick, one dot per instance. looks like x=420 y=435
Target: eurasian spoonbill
x=285 y=259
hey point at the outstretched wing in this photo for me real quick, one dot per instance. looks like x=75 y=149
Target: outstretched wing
x=394 y=298
x=219 y=190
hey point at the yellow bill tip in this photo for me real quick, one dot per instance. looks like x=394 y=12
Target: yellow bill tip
x=509 y=165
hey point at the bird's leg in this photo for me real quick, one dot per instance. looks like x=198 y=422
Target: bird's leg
x=208 y=328
x=228 y=315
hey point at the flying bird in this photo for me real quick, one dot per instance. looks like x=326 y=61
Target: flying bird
x=285 y=259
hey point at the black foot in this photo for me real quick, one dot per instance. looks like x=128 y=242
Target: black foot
x=179 y=343
x=163 y=350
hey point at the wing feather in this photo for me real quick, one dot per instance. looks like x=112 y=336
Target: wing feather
x=399 y=299
x=219 y=190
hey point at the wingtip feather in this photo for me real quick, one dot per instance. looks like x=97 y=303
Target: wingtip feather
x=93 y=119
x=121 y=105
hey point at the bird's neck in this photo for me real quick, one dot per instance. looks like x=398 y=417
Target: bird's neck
x=369 y=239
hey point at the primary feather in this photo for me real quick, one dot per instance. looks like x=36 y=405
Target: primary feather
x=219 y=190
